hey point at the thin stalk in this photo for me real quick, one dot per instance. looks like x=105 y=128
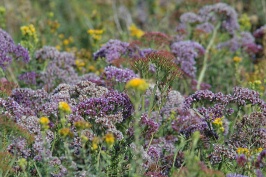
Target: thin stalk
x=206 y=56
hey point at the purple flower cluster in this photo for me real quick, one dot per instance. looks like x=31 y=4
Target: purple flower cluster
x=259 y=33
x=205 y=27
x=186 y=52
x=112 y=102
x=259 y=162
x=112 y=73
x=245 y=41
x=189 y=122
x=151 y=124
x=28 y=78
x=60 y=68
x=190 y=17
x=213 y=13
x=240 y=96
x=9 y=50
x=112 y=50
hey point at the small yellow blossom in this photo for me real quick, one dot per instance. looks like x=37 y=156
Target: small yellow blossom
x=109 y=139
x=2 y=9
x=80 y=125
x=65 y=132
x=44 y=120
x=79 y=63
x=91 y=68
x=61 y=36
x=95 y=34
x=64 y=107
x=58 y=47
x=257 y=82
x=242 y=151
x=237 y=59
x=258 y=150
x=22 y=163
x=66 y=42
x=84 y=138
x=245 y=22
x=218 y=121
x=138 y=84
x=95 y=143
x=135 y=32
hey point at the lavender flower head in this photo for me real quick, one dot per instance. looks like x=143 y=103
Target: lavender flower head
x=112 y=50
x=9 y=50
x=212 y=13
x=28 y=78
x=118 y=74
x=205 y=27
x=259 y=33
x=186 y=52
x=190 y=17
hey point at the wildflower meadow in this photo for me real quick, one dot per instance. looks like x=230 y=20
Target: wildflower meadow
x=136 y=88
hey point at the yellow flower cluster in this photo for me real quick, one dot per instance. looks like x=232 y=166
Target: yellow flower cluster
x=80 y=63
x=137 y=84
x=245 y=23
x=95 y=34
x=109 y=139
x=29 y=31
x=241 y=150
x=218 y=122
x=237 y=59
x=135 y=32
x=63 y=106
x=95 y=143
x=44 y=121
x=65 y=132
x=81 y=125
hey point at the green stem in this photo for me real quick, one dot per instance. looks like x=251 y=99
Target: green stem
x=206 y=56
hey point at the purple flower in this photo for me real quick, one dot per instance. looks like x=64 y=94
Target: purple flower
x=259 y=33
x=154 y=152
x=205 y=27
x=241 y=160
x=110 y=103
x=190 y=17
x=28 y=78
x=112 y=50
x=186 y=52
x=212 y=13
x=112 y=73
x=9 y=50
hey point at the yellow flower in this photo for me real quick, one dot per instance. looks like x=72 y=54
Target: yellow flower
x=109 y=139
x=95 y=34
x=242 y=151
x=44 y=120
x=2 y=10
x=92 y=68
x=135 y=32
x=245 y=23
x=82 y=125
x=61 y=36
x=65 y=132
x=138 y=84
x=58 y=47
x=95 y=143
x=66 y=41
x=64 y=107
x=84 y=138
x=237 y=59
x=258 y=150
x=218 y=121
x=257 y=82
x=79 y=63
